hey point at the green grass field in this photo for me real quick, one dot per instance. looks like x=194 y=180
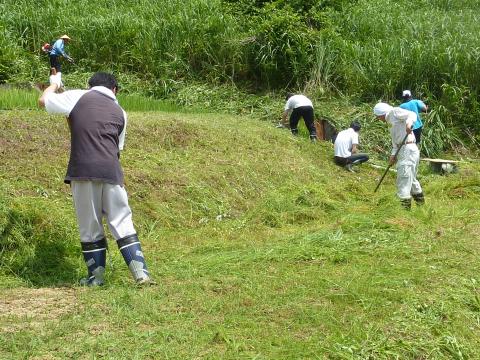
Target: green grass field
x=261 y=247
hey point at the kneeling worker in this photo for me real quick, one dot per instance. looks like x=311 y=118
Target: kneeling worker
x=346 y=147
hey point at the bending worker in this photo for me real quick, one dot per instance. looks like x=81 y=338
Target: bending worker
x=401 y=123
x=417 y=106
x=97 y=128
x=58 y=51
x=346 y=147
x=299 y=106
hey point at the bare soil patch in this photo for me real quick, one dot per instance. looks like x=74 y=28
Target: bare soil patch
x=35 y=305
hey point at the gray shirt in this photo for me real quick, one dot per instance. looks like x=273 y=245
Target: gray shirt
x=96 y=124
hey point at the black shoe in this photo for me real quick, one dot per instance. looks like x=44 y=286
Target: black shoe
x=419 y=199
x=406 y=203
x=349 y=167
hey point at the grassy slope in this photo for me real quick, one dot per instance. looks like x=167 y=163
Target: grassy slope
x=262 y=248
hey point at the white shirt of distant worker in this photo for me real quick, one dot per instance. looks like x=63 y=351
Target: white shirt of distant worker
x=346 y=147
x=299 y=106
x=97 y=128
x=403 y=140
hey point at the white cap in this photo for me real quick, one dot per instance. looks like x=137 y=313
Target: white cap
x=381 y=109
x=406 y=93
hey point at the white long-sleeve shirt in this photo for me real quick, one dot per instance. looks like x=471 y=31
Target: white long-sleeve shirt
x=399 y=118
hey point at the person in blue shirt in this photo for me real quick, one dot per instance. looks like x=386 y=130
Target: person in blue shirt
x=417 y=106
x=57 y=51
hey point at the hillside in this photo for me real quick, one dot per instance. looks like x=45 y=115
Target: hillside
x=261 y=247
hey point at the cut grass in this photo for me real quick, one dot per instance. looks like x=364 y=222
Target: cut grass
x=261 y=246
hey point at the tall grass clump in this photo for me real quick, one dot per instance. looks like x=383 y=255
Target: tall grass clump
x=437 y=135
x=387 y=51
x=281 y=48
x=322 y=78
x=13 y=98
x=162 y=40
x=35 y=247
x=380 y=53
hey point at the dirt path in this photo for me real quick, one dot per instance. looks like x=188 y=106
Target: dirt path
x=35 y=306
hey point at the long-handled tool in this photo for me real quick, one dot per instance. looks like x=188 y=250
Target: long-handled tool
x=389 y=165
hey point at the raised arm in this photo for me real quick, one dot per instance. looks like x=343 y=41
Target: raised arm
x=55 y=84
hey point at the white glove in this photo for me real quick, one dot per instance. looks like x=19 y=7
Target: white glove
x=56 y=79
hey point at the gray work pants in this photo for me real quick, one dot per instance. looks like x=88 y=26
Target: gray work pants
x=94 y=200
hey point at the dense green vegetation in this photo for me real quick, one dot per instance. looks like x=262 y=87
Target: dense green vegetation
x=366 y=50
x=261 y=247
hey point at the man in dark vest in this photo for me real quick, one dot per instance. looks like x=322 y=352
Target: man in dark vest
x=97 y=128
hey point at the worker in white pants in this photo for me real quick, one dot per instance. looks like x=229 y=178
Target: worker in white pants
x=408 y=157
x=407 y=167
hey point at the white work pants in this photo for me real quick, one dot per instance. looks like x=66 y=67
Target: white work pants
x=407 y=166
x=93 y=200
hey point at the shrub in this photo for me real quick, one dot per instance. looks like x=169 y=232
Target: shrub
x=282 y=49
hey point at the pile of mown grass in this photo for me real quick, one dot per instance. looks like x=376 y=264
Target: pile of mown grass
x=261 y=246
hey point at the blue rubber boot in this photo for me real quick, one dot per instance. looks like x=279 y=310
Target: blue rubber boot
x=95 y=255
x=132 y=254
